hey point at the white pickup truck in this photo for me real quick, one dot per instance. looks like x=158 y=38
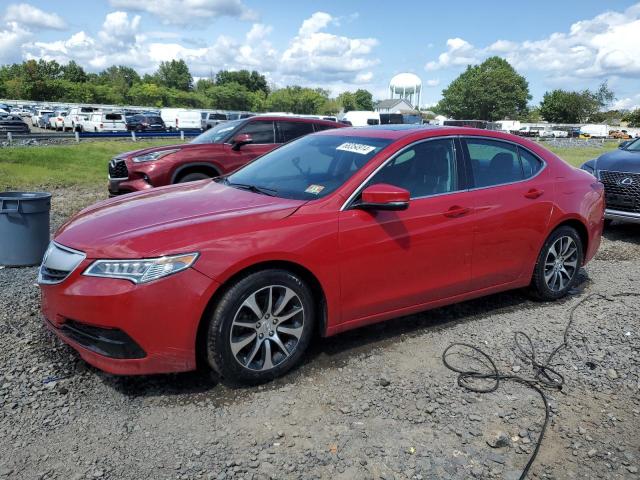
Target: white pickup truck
x=104 y=122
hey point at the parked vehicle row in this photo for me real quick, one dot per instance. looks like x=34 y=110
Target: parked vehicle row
x=330 y=231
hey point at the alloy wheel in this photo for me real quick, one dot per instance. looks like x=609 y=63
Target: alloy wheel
x=267 y=327
x=561 y=263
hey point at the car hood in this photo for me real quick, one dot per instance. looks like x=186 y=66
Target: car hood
x=619 y=161
x=172 y=219
x=181 y=146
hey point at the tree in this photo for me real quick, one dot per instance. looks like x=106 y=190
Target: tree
x=562 y=106
x=363 y=99
x=297 y=99
x=347 y=101
x=174 y=74
x=253 y=80
x=490 y=91
x=633 y=118
x=73 y=72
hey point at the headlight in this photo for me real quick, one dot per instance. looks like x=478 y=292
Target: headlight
x=150 y=157
x=143 y=270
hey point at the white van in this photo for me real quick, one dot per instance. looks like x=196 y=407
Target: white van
x=104 y=122
x=362 y=118
x=595 y=131
x=181 y=119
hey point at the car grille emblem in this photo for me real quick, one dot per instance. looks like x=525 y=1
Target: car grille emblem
x=626 y=181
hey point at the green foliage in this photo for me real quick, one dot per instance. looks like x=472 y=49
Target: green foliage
x=174 y=74
x=562 y=106
x=297 y=100
x=252 y=81
x=633 y=118
x=491 y=91
x=171 y=86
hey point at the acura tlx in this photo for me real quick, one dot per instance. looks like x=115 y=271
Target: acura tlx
x=333 y=231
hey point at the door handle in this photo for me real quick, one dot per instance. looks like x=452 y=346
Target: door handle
x=534 y=193
x=456 y=211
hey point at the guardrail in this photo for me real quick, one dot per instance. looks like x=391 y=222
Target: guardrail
x=78 y=136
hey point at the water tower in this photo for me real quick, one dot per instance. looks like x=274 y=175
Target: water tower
x=407 y=86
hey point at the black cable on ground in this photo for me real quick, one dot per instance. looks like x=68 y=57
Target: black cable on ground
x=545 y=376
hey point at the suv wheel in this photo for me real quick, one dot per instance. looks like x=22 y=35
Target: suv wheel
x=558 y=264
x=261 y=327
x=192 y=177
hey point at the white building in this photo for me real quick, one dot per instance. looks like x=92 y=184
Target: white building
x=397 y=105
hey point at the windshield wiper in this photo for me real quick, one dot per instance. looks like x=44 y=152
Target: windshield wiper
x=252 y=188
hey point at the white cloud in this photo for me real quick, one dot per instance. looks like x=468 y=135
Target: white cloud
x=627 y=103
x=322 y=56
x=434 y=82
x=188 y=12
x=313 y=57
x=11 y=39
x=29 y=16
x=603 y=46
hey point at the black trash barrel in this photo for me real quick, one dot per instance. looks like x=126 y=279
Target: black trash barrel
x=24 y=227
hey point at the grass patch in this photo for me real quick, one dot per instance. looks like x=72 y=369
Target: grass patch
x=83 y=164
x=576 y=156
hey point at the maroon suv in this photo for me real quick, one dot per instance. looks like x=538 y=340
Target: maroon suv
x=218 y=151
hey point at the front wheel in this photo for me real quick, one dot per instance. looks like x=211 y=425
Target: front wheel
x=192 y=177
x=261 y=327
x=558 y=264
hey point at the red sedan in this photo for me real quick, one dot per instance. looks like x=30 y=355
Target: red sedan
x=220 y=150
x=330 y=232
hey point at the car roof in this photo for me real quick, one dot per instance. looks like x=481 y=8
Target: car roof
x=291 y=117
x=398 y=131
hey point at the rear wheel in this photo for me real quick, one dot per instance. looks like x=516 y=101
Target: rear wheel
x=558 y=264
x=261 y=327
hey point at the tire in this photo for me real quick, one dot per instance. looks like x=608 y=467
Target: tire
x=192 y=177
x=554 y=276
x=260 y=335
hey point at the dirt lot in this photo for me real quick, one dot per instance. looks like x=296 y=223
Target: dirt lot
x=372 y=403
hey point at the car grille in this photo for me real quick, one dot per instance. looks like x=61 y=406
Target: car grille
x=58 y=263
x=622 y=190
x=118 y=168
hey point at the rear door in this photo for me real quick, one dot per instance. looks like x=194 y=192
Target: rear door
x=263 y=137
x=513 y=199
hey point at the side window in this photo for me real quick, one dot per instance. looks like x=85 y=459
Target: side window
x=318 y=127
x=493 y=162
x=261 y=132
x=530 y=163
x=291 y=130
x=427 y=168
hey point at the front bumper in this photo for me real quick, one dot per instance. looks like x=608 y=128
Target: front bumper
x=122 y=186
x=622 y=216
x=128 y=329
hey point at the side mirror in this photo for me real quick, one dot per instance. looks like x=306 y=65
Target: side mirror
x=240 y=139
x=383 y=196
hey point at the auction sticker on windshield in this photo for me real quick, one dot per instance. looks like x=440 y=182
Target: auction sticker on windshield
x=360 y=148
x=315 y=189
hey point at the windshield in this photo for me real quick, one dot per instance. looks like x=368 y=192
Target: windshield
x=310 y=167
x=634 y=146
x=217 y=134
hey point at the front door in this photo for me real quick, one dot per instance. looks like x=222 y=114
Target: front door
x=263 y=140
x=396 y=259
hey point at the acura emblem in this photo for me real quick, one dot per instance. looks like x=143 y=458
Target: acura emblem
x=626 y=181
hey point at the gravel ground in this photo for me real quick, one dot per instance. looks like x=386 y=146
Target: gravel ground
x=372 y=403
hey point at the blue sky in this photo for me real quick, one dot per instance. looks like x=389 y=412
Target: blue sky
x=340 y=45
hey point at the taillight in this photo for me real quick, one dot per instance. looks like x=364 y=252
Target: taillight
x=176 y=123
x=101 y=126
